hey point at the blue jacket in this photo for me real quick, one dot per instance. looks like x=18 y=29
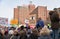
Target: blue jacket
x=40 y=23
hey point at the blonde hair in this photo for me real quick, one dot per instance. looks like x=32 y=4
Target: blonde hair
x=45 y=31
x=35 y=31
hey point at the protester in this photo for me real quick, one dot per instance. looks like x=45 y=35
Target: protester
x=45 y=33
x=6 y=35
x=2 y=34
x=40 y=23
x=54 y=18
x=15 y=35
x=34 y=34
x=24 y=33
x=22 y=27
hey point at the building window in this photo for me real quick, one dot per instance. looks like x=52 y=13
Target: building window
x=32 y=18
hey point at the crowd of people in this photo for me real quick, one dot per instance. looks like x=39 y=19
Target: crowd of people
x=25 y=33
x=40 y=31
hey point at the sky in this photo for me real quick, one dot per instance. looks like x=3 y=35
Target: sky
x=7 y=6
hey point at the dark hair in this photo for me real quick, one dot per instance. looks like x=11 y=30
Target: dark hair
x=6 y=33
x=54 y=17
x=22 y=27
x=51 y=12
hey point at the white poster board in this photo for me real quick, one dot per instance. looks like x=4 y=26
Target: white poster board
x=26 y=21
x=3 y=21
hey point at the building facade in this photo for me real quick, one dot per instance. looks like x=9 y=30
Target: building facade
x=29 y=14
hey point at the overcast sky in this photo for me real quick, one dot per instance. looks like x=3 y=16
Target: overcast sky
x=7 y=6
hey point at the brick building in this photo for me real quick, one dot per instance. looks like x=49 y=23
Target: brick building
x=30 y=14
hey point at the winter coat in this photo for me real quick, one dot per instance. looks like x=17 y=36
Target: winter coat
x=54 y=17
x=40 y=23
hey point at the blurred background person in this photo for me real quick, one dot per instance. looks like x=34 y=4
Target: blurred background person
x=44 y=33
x=54 y=18
x=40 y=23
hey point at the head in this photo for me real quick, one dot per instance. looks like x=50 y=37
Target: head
x=54 y=17
x=45 y=31
x=35 y=31
x=11 y=32
x=22 y=27
x=51 y=12
x=6 y=33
